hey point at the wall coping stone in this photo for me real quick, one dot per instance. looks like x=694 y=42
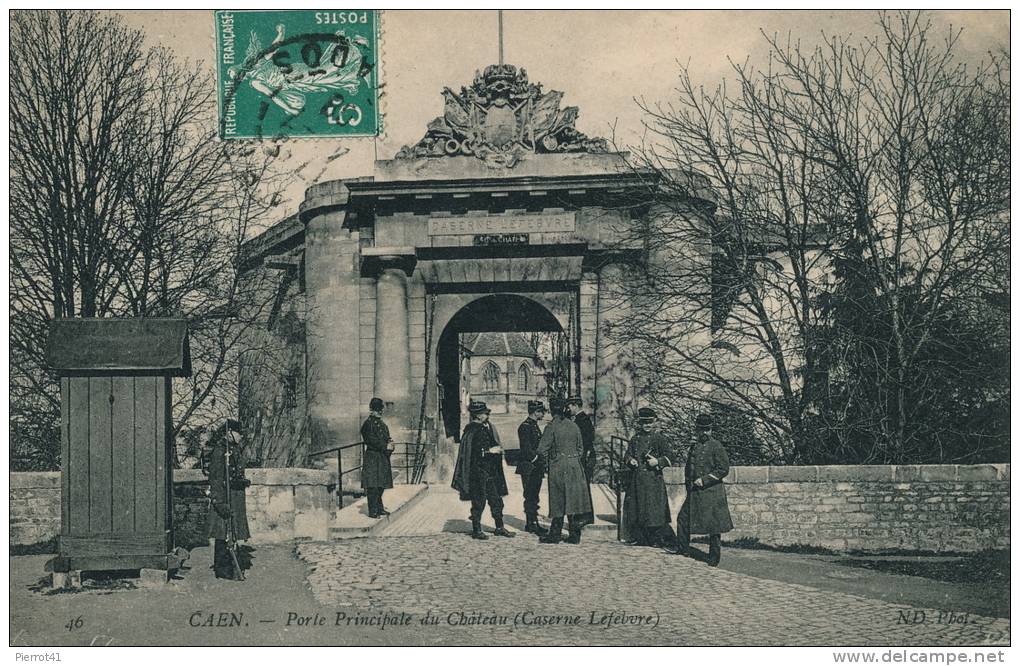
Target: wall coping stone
x=793 y=473
x=34 y=480
x=289 y=476
x=938 y=472
x=749 y=474
x=998 y=472
x=189 y=476
x=267 y=476
x=872 y=473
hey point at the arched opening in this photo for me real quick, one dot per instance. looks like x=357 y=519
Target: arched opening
x=497 y=313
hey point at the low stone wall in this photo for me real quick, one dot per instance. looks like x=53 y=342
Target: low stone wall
x=940 y=508
x=34 y=507
x=283 y=504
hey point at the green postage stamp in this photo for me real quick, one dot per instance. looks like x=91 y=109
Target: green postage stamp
x=299 y=73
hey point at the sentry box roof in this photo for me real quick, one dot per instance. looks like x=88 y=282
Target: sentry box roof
x=119 y=346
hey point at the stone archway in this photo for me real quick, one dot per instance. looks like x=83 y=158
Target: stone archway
x=490 y=313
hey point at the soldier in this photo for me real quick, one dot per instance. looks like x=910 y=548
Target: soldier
x=478 y=475
x=561 y=445
x=376 y=473
x=583 y=421
x=228 y=516
x=646 y=507
x=531 y=467
x=575 y=410
x=705 y=510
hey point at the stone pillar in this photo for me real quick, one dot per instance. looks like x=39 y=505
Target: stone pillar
x=686 y=262
x=614 y=381
x=588 y=306
x=392 y=351
x=331 y=282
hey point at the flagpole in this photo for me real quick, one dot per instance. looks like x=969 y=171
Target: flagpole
x=499 y=14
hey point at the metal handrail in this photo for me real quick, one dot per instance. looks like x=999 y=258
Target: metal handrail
x=616 y=466
x=408 y=466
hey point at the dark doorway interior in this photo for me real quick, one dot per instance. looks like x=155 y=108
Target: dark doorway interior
x=495 y=313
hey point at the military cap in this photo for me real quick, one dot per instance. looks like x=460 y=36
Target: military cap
x=376 y=404
x=703 y=422
x=647 y=414
x=478 y=407
x=220 y=433
x=557 y=405
x=575 y=400
x=535 y=406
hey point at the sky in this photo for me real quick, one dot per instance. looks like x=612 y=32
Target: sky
x=602 y=60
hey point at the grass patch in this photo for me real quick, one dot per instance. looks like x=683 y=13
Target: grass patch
x=752 y=543
x=989 y=567
x=48 y=547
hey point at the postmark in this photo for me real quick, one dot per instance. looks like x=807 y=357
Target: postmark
x=297 y=73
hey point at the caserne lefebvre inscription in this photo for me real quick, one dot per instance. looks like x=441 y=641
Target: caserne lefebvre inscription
x=470 y=225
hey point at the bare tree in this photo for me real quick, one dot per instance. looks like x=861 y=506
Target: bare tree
x=859 y=195
x=123 y=203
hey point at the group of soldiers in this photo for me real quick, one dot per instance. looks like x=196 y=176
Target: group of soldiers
x=563 y=451
x=646 y=514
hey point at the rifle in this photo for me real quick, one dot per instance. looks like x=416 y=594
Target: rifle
x=231 y=531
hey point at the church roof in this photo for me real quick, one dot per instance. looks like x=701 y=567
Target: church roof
x=502 y=344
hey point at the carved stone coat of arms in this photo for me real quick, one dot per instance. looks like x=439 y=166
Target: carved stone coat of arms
x=500 y=118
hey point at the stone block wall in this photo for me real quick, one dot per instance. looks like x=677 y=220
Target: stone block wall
x=283 y=504
x=34 y=507
x=940 y=508
x=289 y=503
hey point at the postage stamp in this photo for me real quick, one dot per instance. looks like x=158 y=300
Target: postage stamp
x=297 y=73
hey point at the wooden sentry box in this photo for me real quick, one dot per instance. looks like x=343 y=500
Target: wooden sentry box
x=116 y=440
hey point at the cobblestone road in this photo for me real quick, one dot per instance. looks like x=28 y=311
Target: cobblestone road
x=611 y=589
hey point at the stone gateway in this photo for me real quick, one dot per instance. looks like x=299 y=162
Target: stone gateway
x=380 y=275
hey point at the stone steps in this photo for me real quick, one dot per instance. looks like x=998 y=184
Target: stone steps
x=353 y=521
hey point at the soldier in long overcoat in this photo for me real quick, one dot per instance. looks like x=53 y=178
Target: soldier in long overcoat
x=705 y=510
x=478 y=475
x=575 y=410
x=587 y=428
x=562 y=447
x=646 y=506
x=376 y=473
x=228 y=515
x=531 y=467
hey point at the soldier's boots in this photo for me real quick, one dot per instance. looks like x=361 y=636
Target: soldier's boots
x=534 y=527
x=555 y=534
x=503 y=532
x=574 y=535
x=714 y=550
x=477 y=533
